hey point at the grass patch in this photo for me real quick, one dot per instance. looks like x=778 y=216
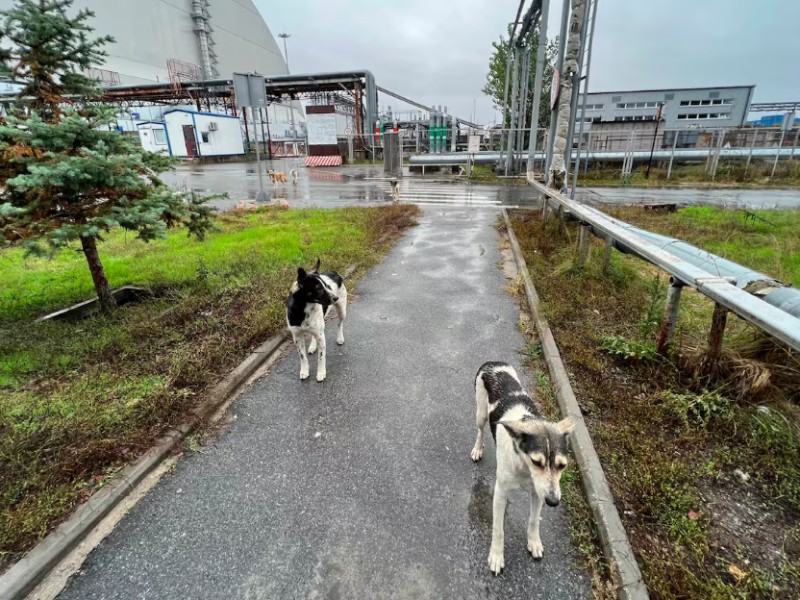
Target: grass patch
x=485 y=174
x=703 y=467
x=733 y=173
x=79 y=400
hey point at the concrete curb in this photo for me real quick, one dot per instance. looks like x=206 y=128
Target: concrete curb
x=26 y=574
x=624 y=569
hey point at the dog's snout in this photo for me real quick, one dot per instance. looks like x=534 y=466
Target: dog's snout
x=334 y=299
x=552 y=500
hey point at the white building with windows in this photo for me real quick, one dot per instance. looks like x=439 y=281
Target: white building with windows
x=725 y=106
x=153 y=136
x=192 y=134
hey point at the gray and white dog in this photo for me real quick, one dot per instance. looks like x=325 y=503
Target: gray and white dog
x=531 y=451
x=309 y=301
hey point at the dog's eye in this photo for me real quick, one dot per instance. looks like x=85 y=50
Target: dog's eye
x=538 y=463
x=561 y=466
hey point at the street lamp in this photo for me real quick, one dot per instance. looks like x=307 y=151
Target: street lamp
x=284 y=36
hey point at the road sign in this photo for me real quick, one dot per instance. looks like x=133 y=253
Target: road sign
x=249 y=90
x=555 y=88
x=474 y=144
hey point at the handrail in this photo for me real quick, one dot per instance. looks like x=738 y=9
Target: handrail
x=772 y=320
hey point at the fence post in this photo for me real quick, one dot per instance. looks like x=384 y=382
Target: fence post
x=583 y=245
x=672 y=155
x=750 y=154
x=777 y=155
x=667 y=329
x=718 y=321
x=609 y=245
x=717 y=154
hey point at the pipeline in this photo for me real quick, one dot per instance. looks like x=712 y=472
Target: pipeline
x=767 y=288
x=641 y=155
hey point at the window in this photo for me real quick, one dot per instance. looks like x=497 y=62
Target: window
x=715 y=102
x=204 y=136
x=626 y=105
x=160 y=137
x=703 y=116
x=594 y=106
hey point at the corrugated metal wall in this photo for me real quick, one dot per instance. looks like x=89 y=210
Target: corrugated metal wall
x=149 y=32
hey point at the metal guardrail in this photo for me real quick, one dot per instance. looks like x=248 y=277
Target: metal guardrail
x=772 y=320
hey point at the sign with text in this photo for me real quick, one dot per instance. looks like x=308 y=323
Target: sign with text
x=474 y=144
x=321 y=129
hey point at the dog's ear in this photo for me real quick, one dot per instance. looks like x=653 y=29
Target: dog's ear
x=301 y=274
x=515 y=428
x=566 y=426
x=316 y=267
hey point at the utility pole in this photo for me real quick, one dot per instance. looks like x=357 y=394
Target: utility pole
x=655 y=134
x=556 y=178
x=284 y=36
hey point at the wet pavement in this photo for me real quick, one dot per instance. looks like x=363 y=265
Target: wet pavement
x=360 y=486
x=367 y=185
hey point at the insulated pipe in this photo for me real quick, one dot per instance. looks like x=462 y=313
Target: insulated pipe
x=613 y=155
x=769 y=289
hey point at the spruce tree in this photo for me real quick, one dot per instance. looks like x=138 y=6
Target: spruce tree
x=66 y=175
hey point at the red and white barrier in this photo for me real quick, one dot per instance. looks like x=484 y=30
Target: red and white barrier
x=323 y=161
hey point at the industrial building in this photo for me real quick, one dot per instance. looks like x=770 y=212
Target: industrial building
x=706 y=107
x=170 y=41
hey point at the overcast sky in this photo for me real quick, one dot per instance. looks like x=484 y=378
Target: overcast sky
x=437 y=51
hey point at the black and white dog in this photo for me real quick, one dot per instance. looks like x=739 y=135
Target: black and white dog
x=531 y=451
x=309 y=301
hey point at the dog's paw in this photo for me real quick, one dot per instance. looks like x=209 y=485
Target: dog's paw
x=303 y=375
x=321 y=376
x=477 y=453
x=535 y=547
x=496 y=562
x=312 y=350
x=340 y=340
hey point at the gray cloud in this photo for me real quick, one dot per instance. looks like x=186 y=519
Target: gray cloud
x=437 y=52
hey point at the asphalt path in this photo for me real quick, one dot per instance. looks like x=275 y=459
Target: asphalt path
x=360 y=486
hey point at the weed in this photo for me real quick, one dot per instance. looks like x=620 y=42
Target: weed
x=533 y=349
x=628 y=349
x=699 y=410
x=651 y=317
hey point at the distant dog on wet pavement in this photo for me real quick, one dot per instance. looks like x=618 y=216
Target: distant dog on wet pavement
x=295 y=175
x=531 y=451
x=309 y=301
x=277 y=176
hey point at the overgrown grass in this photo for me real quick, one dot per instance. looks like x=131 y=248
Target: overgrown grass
x=78 y=400
x=707 y=481
x=485 y=174
x=732 y=173
x=764 y=240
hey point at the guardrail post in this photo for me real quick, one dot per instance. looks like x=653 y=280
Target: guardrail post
x=609 y=245
x=718 y=321
x=667 y=329
x=583 y=245
x=545 y=209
